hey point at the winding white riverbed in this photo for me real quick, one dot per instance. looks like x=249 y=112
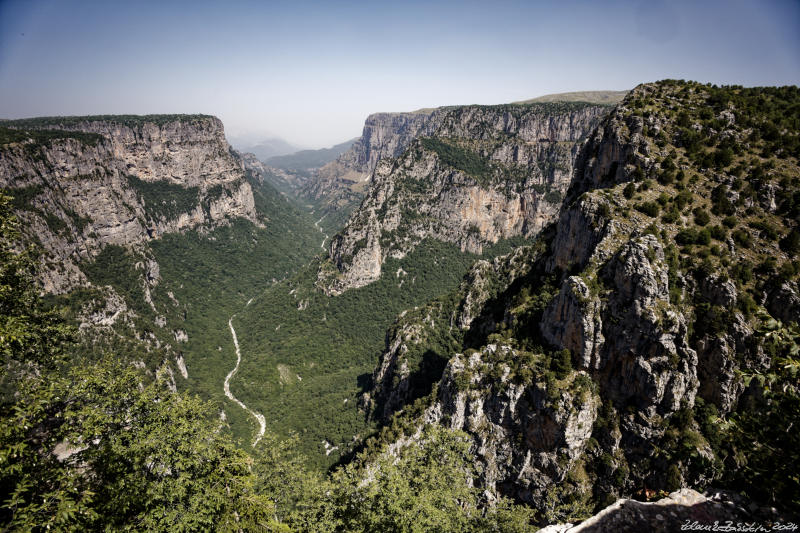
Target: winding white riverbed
x=262 y=422
x=324 y=235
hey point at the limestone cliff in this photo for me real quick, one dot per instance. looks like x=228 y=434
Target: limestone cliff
x=384 y=135
x=82 y=183
x=474 y=175
x=660 y=302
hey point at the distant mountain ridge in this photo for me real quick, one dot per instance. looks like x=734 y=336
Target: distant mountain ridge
x=305 y=160
x=268 y=148
x=592 y=97
x=340 y=184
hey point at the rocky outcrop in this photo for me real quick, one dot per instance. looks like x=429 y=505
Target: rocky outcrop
x=340 y=185
x=640 y=296
x=134 y=180
x=384 y=135
x=484 y=174
x=646 y=358
x=411 y=363
x=682 y=510
x=784 y=302
x=528 y=434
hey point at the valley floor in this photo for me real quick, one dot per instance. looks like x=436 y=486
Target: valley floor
x=262 y=423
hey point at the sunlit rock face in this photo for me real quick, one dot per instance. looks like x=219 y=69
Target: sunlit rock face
x=468 y=175
x=133 y=180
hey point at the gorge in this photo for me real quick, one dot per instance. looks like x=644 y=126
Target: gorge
x=565 y=303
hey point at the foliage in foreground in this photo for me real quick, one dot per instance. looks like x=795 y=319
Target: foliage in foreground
x=106 y=447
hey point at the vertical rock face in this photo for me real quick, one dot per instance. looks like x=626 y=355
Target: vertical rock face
x=82 y=184
x=474 y=176
x=384 y=135
x=638 y=306
x=408 y=342
x=528 y=435
x=341 y=183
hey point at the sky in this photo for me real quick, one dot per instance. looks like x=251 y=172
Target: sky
x=311 y=72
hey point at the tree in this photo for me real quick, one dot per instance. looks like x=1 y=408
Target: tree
x=424 y=488
x=102 y=446
x=97 y=448
x=31 y=338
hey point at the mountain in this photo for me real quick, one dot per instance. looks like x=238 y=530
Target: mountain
x=82 y=183
x=306 y=160
x=535 y=312
x=269 y=148
x=476 y=174
x=151 y=231
x=314 y=335
x=649 y=338
x=592 y=97
x=339 y=186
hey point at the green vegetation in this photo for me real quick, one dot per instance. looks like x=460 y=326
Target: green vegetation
x=735 y=219
x=204 y=279
x=330 y=344
x=121 y=465
x=463 y=159
x=102 y=446
x=541 y=108
x=140 y=457
x=764 y=436
x=40 y=123
x=424 y=489
x=164 y=200
x=16 y=134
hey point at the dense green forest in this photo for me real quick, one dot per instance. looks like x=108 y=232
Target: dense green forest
x=309 y=356
x=101 y=446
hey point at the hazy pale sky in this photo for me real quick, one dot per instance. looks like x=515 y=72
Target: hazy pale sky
x=310 y=72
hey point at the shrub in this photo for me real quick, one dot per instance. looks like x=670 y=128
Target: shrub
x=701 y=217
x=683 y=199
x=553 y=197
x=791 y=243
x=723 y=158
x=459 y=158
x=766 y=229
x=743 y=272
x=703 y=237
x=671 y=216
x=666 y=177
x=674 y=479
x=789 y=270
x=648 y=208
x=743 y=238
x=721 y=205
x=746 y=304
x=719 y=233
x=686 y=236
x=561 y=363
x=629 y=190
